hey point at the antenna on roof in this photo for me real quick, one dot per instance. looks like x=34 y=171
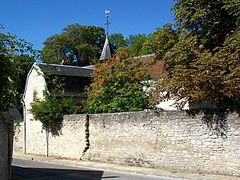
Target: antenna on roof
x=107 y=21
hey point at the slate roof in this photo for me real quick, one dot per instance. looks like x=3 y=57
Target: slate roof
x=66 y=70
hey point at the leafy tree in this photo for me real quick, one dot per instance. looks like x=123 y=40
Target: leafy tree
x=80 y=45
x=161 y=41
x=10 y=47
x=117 y=41
x=118 y=85
x=135 y=45
x=17 y=56
x=203 y=65
x=207 y=19
x=22 y=64
x=233 y=8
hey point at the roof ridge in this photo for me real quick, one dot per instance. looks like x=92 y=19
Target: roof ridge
x=143 y=56
x=62 y=65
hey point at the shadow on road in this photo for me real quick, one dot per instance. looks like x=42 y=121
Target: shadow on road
x=22 y=173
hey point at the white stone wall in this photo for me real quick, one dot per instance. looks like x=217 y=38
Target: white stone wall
x=71 y=141
x=36 y=85
x=172 y=140
x=18 y=137
x=167 y=139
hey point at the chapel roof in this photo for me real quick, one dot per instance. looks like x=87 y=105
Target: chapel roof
x=65 y=70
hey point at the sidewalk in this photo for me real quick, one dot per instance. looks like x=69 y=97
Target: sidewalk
x=121 y=168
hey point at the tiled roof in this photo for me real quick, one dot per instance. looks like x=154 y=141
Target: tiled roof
x=156 y=67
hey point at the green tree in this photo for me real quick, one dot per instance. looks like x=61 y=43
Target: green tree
x=207 y=19
x=233 y=8
x=17 y=56
x=202 y=67
x=161 y=41
x=22 y=64
x=80 y=45
x=10 y=47
x=135 y=45
x=118 y=85
x=117 y=41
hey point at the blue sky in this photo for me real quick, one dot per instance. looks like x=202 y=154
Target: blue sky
x=35 y=20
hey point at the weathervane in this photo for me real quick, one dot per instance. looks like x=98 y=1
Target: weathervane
x=107 y=22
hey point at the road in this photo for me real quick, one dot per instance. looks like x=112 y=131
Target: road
x=27 y=169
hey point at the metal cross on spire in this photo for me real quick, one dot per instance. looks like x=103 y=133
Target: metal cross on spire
x=107 y=22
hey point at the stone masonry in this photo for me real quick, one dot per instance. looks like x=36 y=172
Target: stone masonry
x=167 y=139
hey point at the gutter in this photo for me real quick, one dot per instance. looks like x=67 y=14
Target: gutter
x=24 y=128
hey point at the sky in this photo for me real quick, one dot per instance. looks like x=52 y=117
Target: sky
x=36 y=20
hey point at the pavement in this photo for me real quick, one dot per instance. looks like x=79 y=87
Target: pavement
x=123 y=168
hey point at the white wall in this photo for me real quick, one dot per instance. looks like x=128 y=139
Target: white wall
x=35 y=85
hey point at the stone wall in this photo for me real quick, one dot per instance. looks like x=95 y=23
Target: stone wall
x=168 y=139
x=71 y=141
x=19 y=137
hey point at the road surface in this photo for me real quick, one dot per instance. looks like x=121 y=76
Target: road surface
x=27 y=169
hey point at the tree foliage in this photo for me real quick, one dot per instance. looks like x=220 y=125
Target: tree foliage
x=135 y=45
x=233 y=8
x=205 y=18
x=50 y=111
x=80 y=45
x=16 y=57
x=161 y=41
x=10 y=87
x=117 y=41
x=203 y=65
x=118 y=85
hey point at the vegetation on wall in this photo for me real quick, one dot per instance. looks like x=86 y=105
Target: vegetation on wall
x=50 y=111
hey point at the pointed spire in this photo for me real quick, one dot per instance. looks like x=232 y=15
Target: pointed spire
x=106 y=52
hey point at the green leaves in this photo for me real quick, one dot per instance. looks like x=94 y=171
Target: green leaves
x=135 y=44
x=118 y=86
x=162 y=40
x=117 y=41
x=208 y=19
x=81 y=45
x=16 y=57
x=51 y=109
x=202 y=60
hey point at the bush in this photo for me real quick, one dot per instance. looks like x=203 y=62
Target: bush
x=50 y=111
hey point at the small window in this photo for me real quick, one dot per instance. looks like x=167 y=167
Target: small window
x=35 y=94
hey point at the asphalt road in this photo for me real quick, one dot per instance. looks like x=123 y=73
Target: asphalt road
x=27 y=169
